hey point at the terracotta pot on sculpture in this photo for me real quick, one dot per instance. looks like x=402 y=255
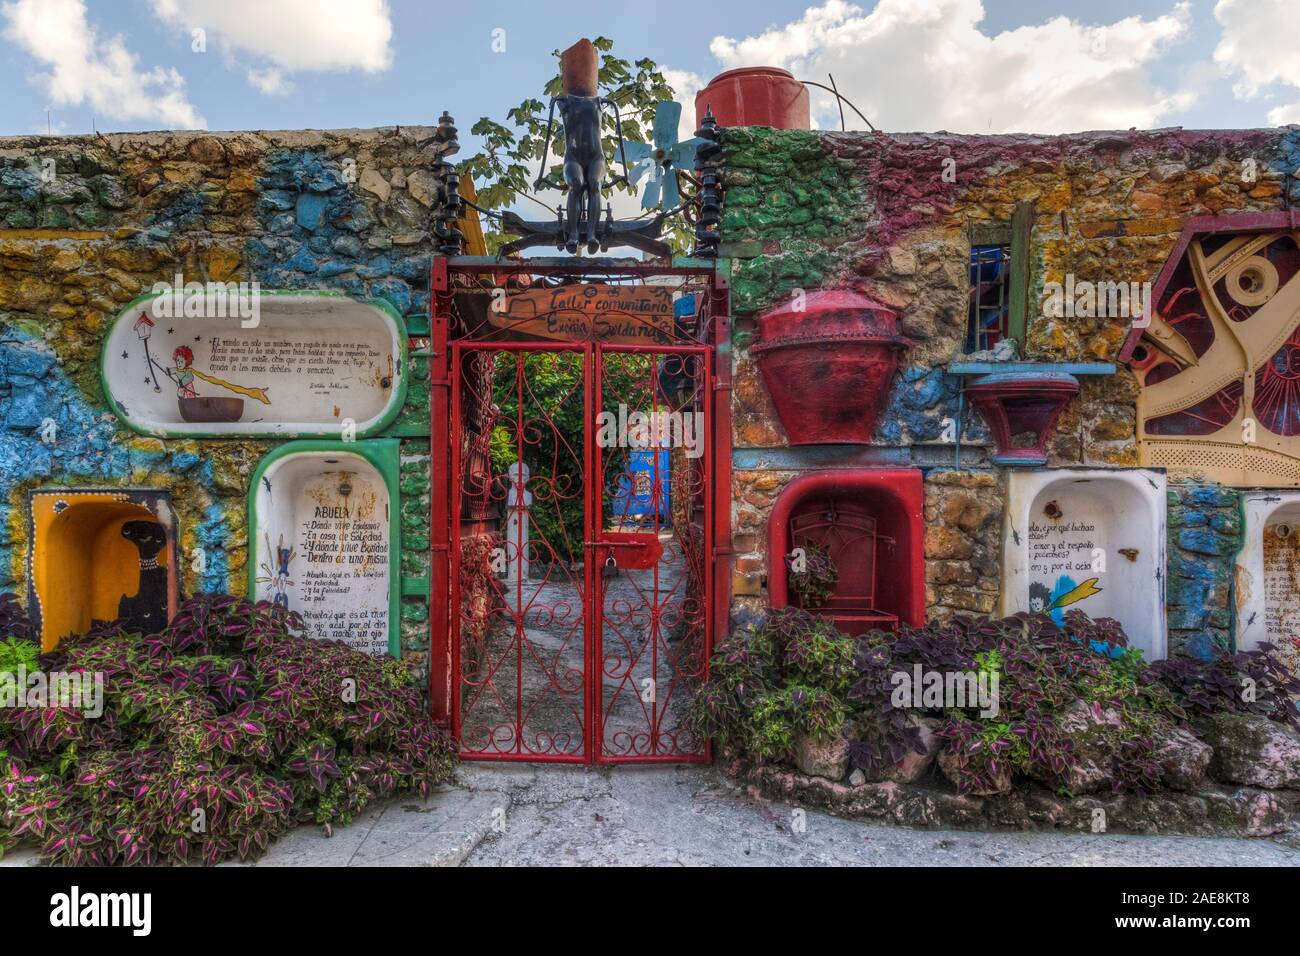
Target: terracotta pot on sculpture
x=580 y=69
x=211 y=409
x=829 y=365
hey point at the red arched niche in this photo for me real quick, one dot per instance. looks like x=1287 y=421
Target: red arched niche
x=871 y=521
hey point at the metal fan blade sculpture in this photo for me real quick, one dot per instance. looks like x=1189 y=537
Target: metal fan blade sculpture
x=661 y=159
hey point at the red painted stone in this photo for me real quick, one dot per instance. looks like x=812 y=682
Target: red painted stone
x=755 y=96
x=1015 y=404
x=828 y=367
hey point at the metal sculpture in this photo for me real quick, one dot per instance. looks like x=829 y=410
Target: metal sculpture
x=1219 y=362
x=581 y=223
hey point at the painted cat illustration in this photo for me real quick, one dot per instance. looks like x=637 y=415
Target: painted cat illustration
x=146 y=612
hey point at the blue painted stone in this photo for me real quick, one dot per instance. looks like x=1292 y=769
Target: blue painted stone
x=375 y=269
x=278 y=199
x=27 y=359
x=26 y=409
x=302 y=261
x=412 y=269
x=334 y=267
x=1202 y=645
x=310 y=210
x=395 y=291
x=349 y=246
x=1202 y=541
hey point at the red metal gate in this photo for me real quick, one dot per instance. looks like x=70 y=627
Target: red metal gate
x=579 y=603
x=578 y=639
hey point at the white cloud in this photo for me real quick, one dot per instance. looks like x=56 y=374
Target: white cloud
x=289 y=36
x=85 y=68
x=1284 y=115
x=685 y=85
x=269 y=81
x=927 y=65
x=1259 y=48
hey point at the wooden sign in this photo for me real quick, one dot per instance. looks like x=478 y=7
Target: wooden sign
x=627 y=315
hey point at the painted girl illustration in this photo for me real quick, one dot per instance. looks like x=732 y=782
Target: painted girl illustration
x=183 y=373
x=1065 y=593
x=276 y=573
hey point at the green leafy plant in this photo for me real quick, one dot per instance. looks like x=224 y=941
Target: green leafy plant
x=768 y=683
x=16 y=653
x=218 y=734
x=812 y=576
x=788 y=676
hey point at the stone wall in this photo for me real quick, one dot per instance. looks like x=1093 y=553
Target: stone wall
x=808 y=210
x=1206 y=527
x=89 y=223
x=963 y=542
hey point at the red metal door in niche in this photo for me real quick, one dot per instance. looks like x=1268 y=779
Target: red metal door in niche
x=580 y=583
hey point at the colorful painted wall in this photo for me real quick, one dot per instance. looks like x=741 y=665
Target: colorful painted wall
x=894 y=218
x=87 y=224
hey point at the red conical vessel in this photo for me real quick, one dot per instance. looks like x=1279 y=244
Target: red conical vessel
x=828 y=365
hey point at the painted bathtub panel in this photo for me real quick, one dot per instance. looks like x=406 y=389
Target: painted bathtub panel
x=1092 y=539
x=324 y=539
x=1268 y=575
x=311 y=362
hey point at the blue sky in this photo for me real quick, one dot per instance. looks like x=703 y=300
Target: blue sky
x=962 y=65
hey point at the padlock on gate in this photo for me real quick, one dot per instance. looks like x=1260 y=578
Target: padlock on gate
x=610 y=568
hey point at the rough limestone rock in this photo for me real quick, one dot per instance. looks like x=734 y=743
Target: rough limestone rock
x=1240 y=811
x=829 y=760
x=1089 y=729
x=1253 y=750
x=948 y=764
x=1184 y=759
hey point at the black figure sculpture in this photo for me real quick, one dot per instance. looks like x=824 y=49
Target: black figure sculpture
x=585 y=167
x=146 y=612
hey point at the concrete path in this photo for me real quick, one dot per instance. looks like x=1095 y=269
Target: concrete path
x=499 y=815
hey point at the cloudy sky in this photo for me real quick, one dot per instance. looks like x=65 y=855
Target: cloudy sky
x=1049 y=66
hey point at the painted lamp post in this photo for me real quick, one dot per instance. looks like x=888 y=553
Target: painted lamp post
x=518 y=500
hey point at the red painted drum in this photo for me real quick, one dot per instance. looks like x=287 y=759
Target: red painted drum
x=755 y=96
x=828 y=365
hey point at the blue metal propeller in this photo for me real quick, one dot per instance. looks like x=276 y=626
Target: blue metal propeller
x=661 y=159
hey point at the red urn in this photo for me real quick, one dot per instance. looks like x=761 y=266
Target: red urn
x=828 y=366
x=755 y=96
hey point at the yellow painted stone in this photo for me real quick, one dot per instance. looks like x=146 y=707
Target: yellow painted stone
x=222 y=263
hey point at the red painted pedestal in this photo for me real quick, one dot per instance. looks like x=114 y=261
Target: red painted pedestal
x=1017 y=405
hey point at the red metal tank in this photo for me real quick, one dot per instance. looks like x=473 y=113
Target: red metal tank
x=828 y=366
x=755 y=96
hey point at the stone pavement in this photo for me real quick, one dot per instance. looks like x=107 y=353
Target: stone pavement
x=500 y=815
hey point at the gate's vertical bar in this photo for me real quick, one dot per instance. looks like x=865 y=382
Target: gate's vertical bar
x=440 y=663
x=593 y=595
x=720 y=312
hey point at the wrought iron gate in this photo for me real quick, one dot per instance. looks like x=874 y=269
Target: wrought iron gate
x=581 y=577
